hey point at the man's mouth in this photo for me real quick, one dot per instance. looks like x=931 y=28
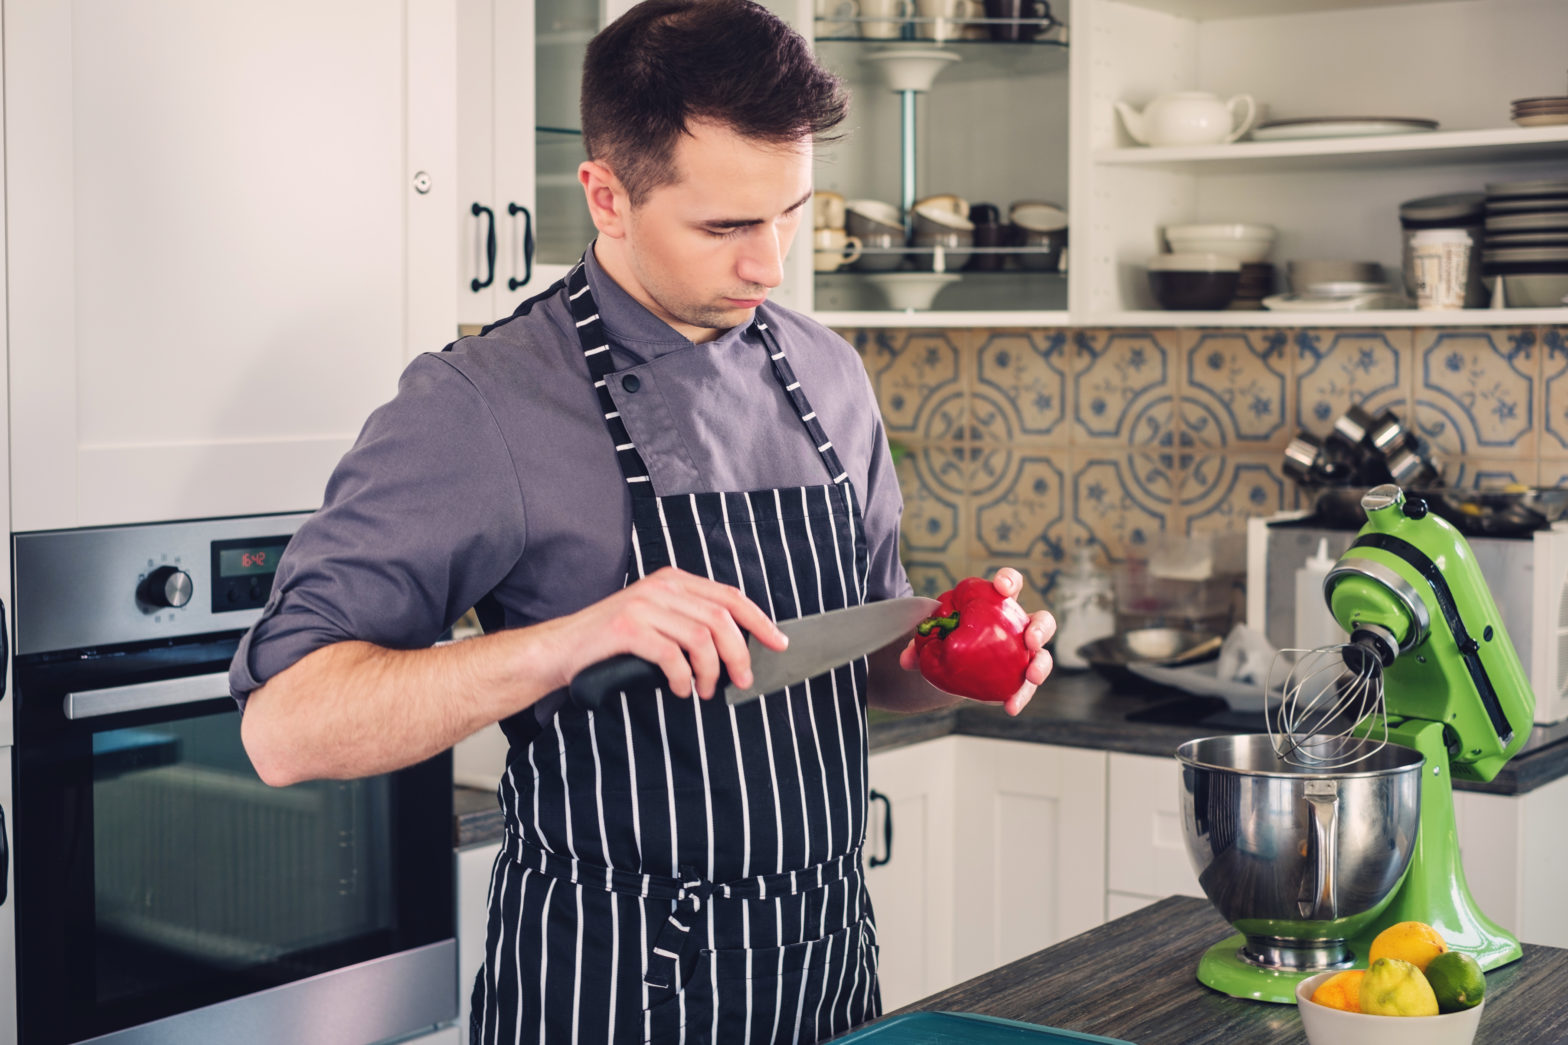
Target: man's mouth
x=748 y=302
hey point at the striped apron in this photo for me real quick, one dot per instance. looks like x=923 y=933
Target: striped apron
x=680 y=870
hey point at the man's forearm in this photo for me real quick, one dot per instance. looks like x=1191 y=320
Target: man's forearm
x=355 y=709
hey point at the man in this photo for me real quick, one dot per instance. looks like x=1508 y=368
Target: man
x=630 y=464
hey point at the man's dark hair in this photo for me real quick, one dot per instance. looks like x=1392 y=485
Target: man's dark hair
x=666 y=63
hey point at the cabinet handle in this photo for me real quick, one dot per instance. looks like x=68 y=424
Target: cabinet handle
x=514 y=209
x=887 y=830
x=5 y=859
x=474 y=284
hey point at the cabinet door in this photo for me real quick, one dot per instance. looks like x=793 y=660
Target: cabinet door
x=1146 y=850
x=473 y=912
x=1030 y=849
x=220 y=256
x=912 y=892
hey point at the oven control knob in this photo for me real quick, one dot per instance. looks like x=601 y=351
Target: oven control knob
x=164 y=587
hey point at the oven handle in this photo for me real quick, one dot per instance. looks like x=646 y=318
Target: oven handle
x=90 y=703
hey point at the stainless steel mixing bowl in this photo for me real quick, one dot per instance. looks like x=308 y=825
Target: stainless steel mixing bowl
x=1298 y=859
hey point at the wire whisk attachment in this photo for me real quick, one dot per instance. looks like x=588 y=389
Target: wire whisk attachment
x=1327 y=692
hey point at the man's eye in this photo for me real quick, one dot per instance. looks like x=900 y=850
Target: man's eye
x=725 y=233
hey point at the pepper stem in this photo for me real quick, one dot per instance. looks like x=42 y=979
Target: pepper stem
x=943 y=626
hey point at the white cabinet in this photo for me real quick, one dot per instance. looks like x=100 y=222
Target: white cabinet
x=474 y=864
x=225 y=237
x=1513 y=851
x=1146 y=851
x=998 y=851
x=911 y=879
x=1029 y=847
x=1459 y=63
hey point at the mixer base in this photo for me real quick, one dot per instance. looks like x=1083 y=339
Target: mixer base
x=1225 y=970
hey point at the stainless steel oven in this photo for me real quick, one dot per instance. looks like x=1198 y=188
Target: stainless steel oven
x=162 y=892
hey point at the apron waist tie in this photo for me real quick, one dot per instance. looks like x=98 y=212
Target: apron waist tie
x=688 y=892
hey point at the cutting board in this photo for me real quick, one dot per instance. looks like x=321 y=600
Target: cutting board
x=951 y=1028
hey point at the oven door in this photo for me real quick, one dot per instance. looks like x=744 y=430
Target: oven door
x=164 y=893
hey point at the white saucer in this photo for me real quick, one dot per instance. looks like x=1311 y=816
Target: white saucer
x=1339 y=127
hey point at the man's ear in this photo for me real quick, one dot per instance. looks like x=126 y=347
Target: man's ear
x=608 y=203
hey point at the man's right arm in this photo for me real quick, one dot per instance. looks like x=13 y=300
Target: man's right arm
x=354 y=709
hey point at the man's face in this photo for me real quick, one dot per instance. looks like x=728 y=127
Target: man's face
x=706 y=249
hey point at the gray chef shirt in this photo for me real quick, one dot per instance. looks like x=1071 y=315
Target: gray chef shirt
x=491 y=472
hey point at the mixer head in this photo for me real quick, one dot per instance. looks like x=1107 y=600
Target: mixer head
x=1410 y=595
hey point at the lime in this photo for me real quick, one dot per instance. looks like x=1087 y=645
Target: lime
x=1393 y=987
x=1457 y=980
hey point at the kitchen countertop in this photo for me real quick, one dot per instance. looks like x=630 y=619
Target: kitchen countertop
x=1135 y=979
x=1084 y=709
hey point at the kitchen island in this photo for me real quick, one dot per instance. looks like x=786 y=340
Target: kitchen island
x=1134 y=978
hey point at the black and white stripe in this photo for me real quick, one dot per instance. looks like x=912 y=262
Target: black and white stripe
x=684 y=870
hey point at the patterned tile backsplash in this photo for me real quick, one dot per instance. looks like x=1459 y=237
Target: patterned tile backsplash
x=1018 y=447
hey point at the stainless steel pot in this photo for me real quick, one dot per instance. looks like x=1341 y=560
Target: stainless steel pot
x=1299 y=859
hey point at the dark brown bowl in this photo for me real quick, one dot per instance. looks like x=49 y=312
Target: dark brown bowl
x=1206 y=291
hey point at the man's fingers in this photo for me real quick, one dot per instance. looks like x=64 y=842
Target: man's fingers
x=1009 y=582
x=1041 y=627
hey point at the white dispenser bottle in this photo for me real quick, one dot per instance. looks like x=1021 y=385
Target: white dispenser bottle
x=1084 y=606
x=1315 y=625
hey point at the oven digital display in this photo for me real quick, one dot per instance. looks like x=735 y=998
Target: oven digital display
x=256 y=558
x=242 y=571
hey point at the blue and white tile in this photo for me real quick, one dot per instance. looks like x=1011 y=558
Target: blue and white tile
x=1122 y=387
x=1220 y=492
x=1021 y=514
x=1235 y=388
x=1018 y=387
x=934 y=482
x=918 y=378
x=1554 y=382
x=1483 y=473
x=1120 y=502
x=1475 y=391
x=1335 y=369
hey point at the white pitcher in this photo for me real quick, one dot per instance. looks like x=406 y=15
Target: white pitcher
x=1189 y=118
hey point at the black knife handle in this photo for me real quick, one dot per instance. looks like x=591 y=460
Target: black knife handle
x=597 y=685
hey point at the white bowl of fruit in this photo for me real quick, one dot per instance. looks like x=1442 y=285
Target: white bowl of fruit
x=1414 y=991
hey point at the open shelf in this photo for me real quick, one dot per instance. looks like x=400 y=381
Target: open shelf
x=979 y=59
x=1205 y=10
x=1472 y=317
x=1494 y=145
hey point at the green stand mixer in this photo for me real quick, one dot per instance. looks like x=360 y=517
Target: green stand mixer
x=1340 y=822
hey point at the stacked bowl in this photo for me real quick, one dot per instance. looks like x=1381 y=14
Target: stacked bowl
x=1525 y=251
x=1213 y=266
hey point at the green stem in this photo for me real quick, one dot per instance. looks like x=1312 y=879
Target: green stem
x=943 y=626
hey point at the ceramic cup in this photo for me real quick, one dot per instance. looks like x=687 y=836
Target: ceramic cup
x=880 y=229
x=827 y=210
x=946 y=202
x=832 y=249
x=945 y=234
x=884 y=19
x=1440 y=259
x=940 y=20
x=989 y=232
x=836 y=18
x=974 y=28
x=1027 y=18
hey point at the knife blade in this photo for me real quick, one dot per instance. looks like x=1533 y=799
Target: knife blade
x=818 y=642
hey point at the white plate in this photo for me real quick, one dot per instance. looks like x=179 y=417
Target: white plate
x=1339 y=127
x=1549 y=120
x=1203 y=679
x=1505 y=189
x=1527 y=239
x=1536 y=204
x=1335 y=302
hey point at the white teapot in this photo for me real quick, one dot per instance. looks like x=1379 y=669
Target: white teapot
x=1188 y=118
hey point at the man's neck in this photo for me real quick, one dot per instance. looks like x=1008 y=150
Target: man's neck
x=614 y=263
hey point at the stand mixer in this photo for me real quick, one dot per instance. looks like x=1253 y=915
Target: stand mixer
x=1341 y=822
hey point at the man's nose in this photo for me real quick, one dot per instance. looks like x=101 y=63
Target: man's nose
x=761 y=260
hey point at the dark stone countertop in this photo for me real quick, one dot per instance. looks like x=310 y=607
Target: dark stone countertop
x=1085 y=710
x=1135 y=979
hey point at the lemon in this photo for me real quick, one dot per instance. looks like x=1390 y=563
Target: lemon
x=1393 y=987
x=1457 y=981
x=1414 y=942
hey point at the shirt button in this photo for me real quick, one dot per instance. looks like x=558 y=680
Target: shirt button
x=630 y=383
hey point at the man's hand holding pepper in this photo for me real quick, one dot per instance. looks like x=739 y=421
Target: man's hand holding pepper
x=997 y=645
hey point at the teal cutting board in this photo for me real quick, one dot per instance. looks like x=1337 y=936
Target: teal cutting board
x=951 y=1028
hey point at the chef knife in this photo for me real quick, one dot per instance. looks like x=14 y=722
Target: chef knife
x=817 y=643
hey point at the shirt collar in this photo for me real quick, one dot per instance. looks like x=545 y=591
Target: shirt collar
x=629 y=323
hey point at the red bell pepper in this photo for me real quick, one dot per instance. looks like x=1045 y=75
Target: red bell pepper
x=973 y=645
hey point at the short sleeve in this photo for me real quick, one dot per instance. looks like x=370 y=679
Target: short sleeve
x=420 y=520
x=883 y=513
